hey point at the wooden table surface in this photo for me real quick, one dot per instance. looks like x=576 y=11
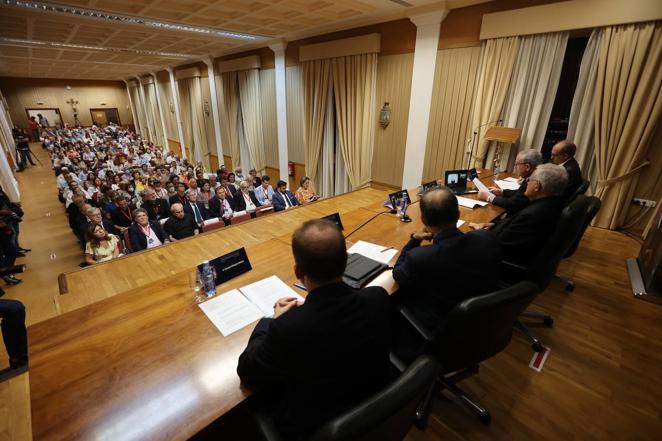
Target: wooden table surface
x=144 y=362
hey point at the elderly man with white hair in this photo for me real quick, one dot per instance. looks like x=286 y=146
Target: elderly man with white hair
x=514 y=200
x=521 y=236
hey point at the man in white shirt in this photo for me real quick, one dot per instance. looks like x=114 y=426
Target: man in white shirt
x=264 y=192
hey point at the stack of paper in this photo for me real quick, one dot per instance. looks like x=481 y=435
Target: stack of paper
x=373 y=251
x=507 y=184
x=470 y=203
x=238 y=308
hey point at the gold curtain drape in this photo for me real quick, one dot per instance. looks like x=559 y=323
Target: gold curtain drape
x=152 y=106
x=628 y=105
x=229 y=91
x=316 y=83
x=354 y=86
x=192 y=114
x=453 y=96
x=185 y=115
x=496 y=68
x=140 y=112
x=251 y=114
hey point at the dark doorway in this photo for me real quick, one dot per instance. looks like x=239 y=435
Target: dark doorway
x=103 y=117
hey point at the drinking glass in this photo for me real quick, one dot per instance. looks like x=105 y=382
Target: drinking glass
x=195 y=283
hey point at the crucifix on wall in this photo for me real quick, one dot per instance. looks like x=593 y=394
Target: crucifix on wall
x=73 y=103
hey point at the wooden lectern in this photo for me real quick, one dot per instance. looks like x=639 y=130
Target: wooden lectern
x=506 y=135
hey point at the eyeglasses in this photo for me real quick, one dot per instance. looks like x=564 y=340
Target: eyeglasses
x=521 y=163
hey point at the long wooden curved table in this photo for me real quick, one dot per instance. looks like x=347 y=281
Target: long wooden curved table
x=132 y=357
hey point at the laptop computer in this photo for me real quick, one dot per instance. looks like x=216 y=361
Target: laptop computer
x=427 y=187
x=456 y=180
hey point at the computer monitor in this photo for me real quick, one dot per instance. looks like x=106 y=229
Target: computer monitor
x=335 y=218
x=456 y=178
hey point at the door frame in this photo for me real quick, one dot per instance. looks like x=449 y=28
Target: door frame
x=119 y=121
x=56 y=109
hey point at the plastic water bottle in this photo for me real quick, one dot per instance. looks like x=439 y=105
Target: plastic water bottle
x=208 y=279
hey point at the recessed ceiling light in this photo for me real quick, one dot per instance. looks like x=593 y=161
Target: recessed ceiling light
x=129 y=19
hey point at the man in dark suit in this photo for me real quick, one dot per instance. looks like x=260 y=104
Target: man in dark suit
x=522 y=236
x=221 y=206
x=314 y=361
x=283 y=198
x=245 y=200
x=563 y=153
x=156 y=207
x=195 y=208
x=14 y=334
x=514 y=200
x=435 y=278
x=145 y=233
x=230 y=190
x=121 y=215
x=180 y=195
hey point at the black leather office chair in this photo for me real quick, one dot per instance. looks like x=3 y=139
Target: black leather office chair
x=544 y=266
x=386 y=416
x=583 y=187
x=475 y=330
x=592 y=210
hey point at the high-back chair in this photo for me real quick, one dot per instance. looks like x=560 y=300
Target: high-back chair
x=386 y=416
x=475 y=330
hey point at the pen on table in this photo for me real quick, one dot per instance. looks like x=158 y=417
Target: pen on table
x=386 y=249
x=300 y=286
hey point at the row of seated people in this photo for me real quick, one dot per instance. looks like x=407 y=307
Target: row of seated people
x=339 y=340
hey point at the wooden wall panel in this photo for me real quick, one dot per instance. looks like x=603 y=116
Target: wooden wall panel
x=450 y=112
x=269 y=124
x=295 y=145
x=22 y=93
x=393 y=86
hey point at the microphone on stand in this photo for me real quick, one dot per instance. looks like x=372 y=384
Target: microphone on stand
x=473 y=141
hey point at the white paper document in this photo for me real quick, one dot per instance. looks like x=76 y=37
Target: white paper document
x=373 y=251
x=470 y=203
x=511 y=179
x=479 y=185
x=265 y=292
x=231 y=311
x=460 y=222
x=507 y=185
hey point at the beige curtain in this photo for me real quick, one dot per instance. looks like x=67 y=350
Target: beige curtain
x=152 y=106
x=316 y=85
x=628 y=106
x=354 y=85
x=229 y=98
x=531 y=93
x=581 y=124
x=449 y=133
x=140 y=112
x=251 y=114
x=192 y=114
x=497 y=63
x=165 y=95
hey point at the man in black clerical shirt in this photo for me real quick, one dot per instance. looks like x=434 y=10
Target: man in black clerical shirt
x=435 y=278
x=156 y=207
x=313 y=361
x=180 y=224
x=514 y=200
x=563 y=153
x=523 y=235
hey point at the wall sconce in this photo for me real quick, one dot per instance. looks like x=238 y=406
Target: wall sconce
x=206 y=107
x=385 y=116
x=172 y=107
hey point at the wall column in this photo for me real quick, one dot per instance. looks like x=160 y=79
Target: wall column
x=211 y=75
x=159 y=104
x=425 y=59
x=281 y=107
x=175 y=103
x=136 y=123
x=143 y=104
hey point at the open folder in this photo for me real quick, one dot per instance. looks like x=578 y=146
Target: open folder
x=238 y=308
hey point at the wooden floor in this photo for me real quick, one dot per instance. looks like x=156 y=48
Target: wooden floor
x=602 y=380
